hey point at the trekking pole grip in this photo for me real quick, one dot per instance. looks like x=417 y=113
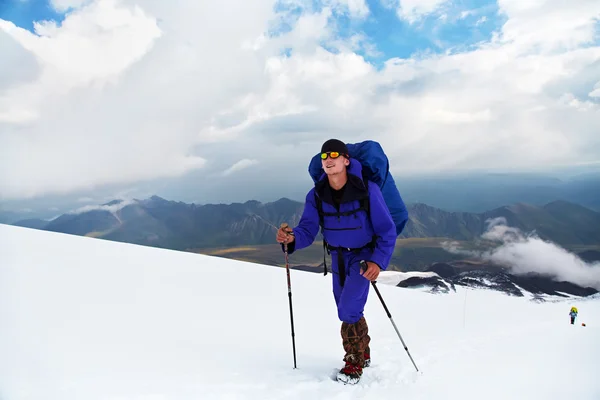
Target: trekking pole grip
x=283 y=226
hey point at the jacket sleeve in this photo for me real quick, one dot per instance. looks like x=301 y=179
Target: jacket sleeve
x=383 y=227
x=308 y=227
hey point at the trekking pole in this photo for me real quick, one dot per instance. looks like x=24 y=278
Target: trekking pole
x=390 y=316
x=289 y=283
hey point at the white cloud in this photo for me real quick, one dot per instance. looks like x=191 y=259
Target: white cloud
x=596 y=91
x=580 y=105
x=452 y=117
x=240 y=165
x=126 y=92
x=352 y=8
x=14 y=115
x=113 y=208
x=466 y=13
x=413 y=10
x=64 y=5
x=356 y=8
x=390 y=4
x=91 y=48
x=523 y=254
x=550 y=24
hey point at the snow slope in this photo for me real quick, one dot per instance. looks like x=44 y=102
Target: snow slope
x=89 y=319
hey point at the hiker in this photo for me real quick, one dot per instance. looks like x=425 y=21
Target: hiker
x=350 y=236
x=573 y=314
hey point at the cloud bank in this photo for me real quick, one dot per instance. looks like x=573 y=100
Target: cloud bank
x=124 y=91
x=111 y=208
x=523 y=254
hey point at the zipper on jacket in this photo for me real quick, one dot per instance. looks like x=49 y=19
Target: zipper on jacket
x=343 y=229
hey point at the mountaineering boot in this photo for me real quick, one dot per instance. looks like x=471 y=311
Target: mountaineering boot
x=351 y=372
x=353 y=340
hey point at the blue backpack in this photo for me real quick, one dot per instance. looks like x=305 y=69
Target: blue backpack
x=375 y=168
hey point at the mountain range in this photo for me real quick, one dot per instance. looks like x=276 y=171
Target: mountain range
x=475 y=191
x=182 y=226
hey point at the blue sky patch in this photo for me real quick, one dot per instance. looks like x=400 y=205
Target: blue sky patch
x=23 y=13
x=455 y=26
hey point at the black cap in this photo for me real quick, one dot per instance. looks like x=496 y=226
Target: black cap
x=334 y=145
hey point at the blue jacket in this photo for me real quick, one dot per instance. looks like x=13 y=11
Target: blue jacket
x=354 y=230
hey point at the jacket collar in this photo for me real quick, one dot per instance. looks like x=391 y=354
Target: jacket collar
x=354 y=188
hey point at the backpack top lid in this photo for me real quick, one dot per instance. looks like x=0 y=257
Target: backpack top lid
x=375 y=168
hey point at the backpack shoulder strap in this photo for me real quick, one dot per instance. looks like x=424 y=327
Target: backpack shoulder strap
x=319 y=204
x=365 y=203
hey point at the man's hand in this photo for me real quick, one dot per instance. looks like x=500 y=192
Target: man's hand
x=285 y=234
x=372 y=271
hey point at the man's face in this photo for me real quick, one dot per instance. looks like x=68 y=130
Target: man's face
x=334 y=166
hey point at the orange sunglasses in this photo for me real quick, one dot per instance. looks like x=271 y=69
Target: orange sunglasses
x=332 y=154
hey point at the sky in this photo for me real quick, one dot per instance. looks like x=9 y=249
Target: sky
x=231 y=97
x=164 y=330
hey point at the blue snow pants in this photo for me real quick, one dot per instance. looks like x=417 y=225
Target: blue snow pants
x=352 y=296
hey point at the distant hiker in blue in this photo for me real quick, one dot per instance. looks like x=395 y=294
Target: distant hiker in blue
x=351 y=233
